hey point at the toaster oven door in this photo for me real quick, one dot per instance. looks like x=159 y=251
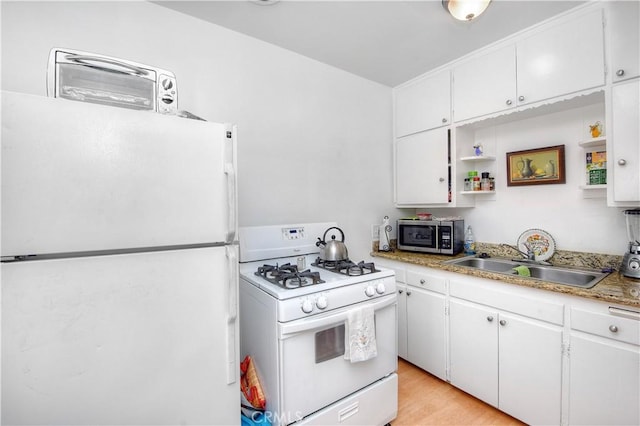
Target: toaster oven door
x=102 y=80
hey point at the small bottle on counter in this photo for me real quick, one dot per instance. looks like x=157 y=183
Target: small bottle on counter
x=469 y=242
x=485 y=183
x=467 y=184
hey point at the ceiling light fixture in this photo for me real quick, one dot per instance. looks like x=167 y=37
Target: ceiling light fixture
x=465 y=10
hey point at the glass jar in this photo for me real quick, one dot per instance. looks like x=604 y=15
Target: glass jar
x=467 y=184
x=485 y=184
x=476 y=183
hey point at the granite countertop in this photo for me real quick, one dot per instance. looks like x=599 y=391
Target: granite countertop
x=614 y=288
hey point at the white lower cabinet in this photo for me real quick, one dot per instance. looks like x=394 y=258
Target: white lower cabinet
x=604 y=379
x=426 y=331
x=541 y=357
x=473 y=343
x=511 y=362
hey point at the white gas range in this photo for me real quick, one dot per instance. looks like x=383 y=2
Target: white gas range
x=296 y=320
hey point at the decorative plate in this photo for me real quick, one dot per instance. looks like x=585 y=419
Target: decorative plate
x=541 y=242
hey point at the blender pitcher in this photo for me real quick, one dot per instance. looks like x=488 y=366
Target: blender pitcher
x=631 y=259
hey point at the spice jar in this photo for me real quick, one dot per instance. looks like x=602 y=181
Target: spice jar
x=476 y=183
x=485 y=184
x=467 y=184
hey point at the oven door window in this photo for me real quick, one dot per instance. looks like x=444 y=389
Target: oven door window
x=329 y=343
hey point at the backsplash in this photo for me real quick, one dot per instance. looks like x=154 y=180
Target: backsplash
x=560 y=257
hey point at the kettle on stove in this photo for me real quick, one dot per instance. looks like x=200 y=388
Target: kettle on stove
x=332 y=250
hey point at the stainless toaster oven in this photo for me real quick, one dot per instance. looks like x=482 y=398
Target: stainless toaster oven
x=91 y=77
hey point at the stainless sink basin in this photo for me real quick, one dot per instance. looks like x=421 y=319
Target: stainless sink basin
x=583 y=278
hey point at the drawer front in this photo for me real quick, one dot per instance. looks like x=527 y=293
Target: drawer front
x=606 y=325
x=486 y=292
x=431 y=282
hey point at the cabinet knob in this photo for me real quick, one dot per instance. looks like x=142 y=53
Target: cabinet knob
x=613 y=328
x=422 y=281
x=490 y=318
x=408 y=293
x=441 y=179
x=503 y=322
x=620 y=72
x=400 y=291
x=444 y=120
x=622 y=162
x=509 y=102
x=521 y=98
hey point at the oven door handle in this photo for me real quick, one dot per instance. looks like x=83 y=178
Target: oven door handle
x=319 y=321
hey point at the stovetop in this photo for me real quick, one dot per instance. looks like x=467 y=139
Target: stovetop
x=346 y=267
x=284 y=280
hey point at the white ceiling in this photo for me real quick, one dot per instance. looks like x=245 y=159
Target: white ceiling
x=385 y=41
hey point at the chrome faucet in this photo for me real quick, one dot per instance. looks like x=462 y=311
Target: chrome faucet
x=529 y=256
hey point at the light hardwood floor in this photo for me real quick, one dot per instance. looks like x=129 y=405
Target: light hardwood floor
x=424 y=399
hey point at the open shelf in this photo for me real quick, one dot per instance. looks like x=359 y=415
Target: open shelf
x=478 y=158
x=477 y=192
x=589 y=187
x=601 y=141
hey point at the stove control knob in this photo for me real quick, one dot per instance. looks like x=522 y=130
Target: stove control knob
x=307 y=306
x=380 y=288
x=321 y=302
x=369 y=291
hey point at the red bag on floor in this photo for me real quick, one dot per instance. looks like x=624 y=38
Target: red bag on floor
x=250 y=384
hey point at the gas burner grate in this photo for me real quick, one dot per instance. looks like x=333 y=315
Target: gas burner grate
x=346 y=267
x=288 y=276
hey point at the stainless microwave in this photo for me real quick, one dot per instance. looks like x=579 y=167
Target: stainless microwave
x=431 y=236
x=90 y=77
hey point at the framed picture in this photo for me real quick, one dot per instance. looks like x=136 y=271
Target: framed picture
x=536 y=166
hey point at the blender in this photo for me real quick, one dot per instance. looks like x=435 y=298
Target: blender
x=631 y=259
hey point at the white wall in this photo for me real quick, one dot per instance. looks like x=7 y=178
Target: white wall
x=576 y=223
x=314 y=141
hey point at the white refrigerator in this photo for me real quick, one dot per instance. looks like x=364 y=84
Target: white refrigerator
x=119 y=266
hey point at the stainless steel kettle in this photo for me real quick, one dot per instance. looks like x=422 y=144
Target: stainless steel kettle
x=332 y=250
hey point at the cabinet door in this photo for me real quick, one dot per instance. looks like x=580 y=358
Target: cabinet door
x=484 y=85
x=563 y=59
x=423 y=104
x=625 y=158
x=426 y=331
x=622 y=27
x=603 y=382
x=473 y=354
x=530 y=370
x=402 y=320
x=422 y=168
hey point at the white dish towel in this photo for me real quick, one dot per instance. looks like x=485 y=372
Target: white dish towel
x=361 y=335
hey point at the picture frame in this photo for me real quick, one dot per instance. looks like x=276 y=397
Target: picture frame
x=540 y=166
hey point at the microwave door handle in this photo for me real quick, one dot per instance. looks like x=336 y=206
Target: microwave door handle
x=106 y=63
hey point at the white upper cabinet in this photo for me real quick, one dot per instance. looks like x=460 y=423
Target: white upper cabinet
x=622 y=26
x=563 y=59
x=485 y=84
x=623 y=144
x=422 y=168
x=423 y=104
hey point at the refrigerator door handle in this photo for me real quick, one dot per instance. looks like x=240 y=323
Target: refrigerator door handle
x=229 y=170
x=232 y=312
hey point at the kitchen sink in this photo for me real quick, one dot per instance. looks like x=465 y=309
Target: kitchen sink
x=583 y=278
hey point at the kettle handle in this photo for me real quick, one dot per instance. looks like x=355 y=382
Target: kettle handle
x=324 y=237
